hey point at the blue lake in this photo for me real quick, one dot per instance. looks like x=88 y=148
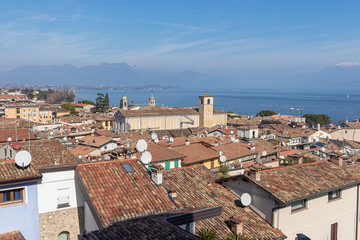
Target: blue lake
x=339 y=105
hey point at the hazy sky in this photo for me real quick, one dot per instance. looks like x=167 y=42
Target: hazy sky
x=215 y=37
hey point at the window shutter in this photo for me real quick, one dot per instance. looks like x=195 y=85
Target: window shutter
x=334 y=231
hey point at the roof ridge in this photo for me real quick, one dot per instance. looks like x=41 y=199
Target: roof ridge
x=106 y=161
x=293 y=166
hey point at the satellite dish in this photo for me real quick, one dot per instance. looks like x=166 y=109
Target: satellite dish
x=171 y=139
x=23 y=158
x=141 y=145
x=9 y=139
x=51 y=133
x=221 y=153
x=156 y=140
x=153 y=136
x=316 y=139
x=222 y=158
x=83 y=128
x=231 y=132
x=264 y=153
x=323 y=149
x=283 y=143
x=245 y=199
x=233 y=139
x=145 y=157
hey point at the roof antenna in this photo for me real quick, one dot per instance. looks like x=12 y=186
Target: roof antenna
x=205 y=91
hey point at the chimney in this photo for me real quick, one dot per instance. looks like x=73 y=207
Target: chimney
x=187 y=142
x=172 y=194
x=257 y=175
x=255 y=171
x=237 y=224
x=318 y=126
x=341 y=161
x=157 y=173
x=301 y=160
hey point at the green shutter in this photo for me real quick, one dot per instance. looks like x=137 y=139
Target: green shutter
x=176 y=164
x=167 y=165
x=149 y=167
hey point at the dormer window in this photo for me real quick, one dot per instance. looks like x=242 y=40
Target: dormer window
x=334 y=194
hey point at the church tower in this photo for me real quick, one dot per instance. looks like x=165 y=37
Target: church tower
x=206 y=108
x=123 y=103
x=152 y=100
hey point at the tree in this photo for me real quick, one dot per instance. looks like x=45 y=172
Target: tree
x=106 y=100
x=70 y=107
x=234 y=236
x=100 y=105
x=265 y=113
x=323 y=119
x=207 y=234
x=87 y=102
x=223 y=171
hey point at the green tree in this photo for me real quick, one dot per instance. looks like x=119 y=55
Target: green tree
x=106 y=100
x=265 y=113
x=323 y=119
x=234 y=236
x=100 y=105
x=207 y=234
x=87 y=102
x=70 y=107
x=223 y=171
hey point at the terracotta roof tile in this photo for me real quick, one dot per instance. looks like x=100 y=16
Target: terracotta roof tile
x=195 y=188
x=161 y=153
x=196 y=153
x=14 y=235
x=9 y=172
x=20 y=133
x=301 y=181
x=118 y=195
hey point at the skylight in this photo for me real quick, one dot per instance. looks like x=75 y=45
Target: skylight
x=128 y=168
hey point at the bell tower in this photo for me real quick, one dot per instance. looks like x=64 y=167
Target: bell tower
x=152 y=100
x=123 y=103
x=206 y=110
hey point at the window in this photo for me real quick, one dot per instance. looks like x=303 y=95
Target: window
x=298 y=205
x=127 y=167
x=334 y=194
x=208 y=101
x=63 y=197
x=334 y=230
x=64 y=236
x=11 y=196
x=176 y=164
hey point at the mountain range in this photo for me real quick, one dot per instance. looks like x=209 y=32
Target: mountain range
x=344 y=76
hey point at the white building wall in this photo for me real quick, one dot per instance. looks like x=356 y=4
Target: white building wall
x=315 y=221
x=89 y=220
x=48 y=191
x=109 y=147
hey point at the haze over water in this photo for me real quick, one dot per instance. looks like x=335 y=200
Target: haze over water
x=339 y=105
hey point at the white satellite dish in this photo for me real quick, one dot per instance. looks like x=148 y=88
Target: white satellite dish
x=221 y=153
x=264 y=153
x=231 y=132
x=233 y=139
x=141 y=145
x=222 y=158
x=323 y=149
x=245 y=199
x=145 y=157
x=316 y=139
x=171 y=139
x=156 y=140
x=23 y=158
x=51 y=133
x=153 y=136
x=9 y=139
x=283 y=143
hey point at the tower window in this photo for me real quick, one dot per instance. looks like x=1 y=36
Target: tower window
x=208 y=101
x=201 y=101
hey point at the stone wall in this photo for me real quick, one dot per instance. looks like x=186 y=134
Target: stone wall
x=53 y=223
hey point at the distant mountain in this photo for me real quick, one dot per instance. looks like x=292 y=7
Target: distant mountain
x=107 y=74
x=340 y=76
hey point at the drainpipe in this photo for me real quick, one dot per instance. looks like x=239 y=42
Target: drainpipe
x=357 y=214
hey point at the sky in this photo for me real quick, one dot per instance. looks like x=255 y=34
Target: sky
x=222 y=38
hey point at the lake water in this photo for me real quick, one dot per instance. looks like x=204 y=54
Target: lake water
x=339 y=105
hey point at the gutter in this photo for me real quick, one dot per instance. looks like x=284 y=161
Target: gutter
x=23 y=180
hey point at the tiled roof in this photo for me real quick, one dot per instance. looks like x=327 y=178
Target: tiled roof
x=9 y=172
x=245 y=122
x=81 y=150
x=295 y=182
x=161 y=153
x=150 y=227
x=194 y=189
x=162 y=112
x=95 y=141
x=234 y=150
x=14 y=235
x=351 y=124
x=50 y=153
x=103 y=117
x=19 y=133
x=118 y=195
x=196 y=153
x=107 y=133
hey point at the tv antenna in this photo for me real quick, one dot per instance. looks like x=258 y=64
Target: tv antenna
x=23 y=159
